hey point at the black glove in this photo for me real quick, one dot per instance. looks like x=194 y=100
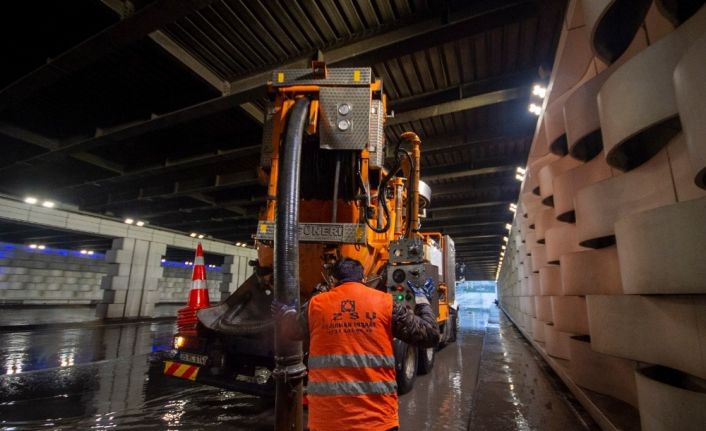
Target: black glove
x=424 y=292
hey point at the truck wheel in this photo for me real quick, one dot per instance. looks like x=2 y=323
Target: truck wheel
x=426 y=360
x=453 y=325
x=406 y=366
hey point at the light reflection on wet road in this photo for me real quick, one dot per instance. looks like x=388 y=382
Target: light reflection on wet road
x=110 y=377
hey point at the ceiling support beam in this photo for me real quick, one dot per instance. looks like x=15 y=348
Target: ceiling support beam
x=476 y=18
x=472 y=102
x=466 y=206
x=121 y=34
x=462 y=170
x=523 y=78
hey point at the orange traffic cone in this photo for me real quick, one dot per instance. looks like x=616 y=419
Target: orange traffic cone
x=198 y=297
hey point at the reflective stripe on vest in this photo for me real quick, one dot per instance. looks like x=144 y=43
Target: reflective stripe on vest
x=351 y=388
x=356 y=361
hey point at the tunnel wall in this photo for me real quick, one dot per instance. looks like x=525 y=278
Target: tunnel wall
x=32 y=277
x=604 y=270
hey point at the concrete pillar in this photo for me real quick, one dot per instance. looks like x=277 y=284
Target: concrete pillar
x=131 y=290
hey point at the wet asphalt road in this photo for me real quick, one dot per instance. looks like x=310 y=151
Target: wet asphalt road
x=110 y=377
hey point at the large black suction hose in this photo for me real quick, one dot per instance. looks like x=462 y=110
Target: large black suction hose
x=289 y=369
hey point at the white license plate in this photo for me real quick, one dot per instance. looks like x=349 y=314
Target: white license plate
x=194 y=359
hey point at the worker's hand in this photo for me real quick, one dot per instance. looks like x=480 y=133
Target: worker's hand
x=280 y=310
x=423 y=292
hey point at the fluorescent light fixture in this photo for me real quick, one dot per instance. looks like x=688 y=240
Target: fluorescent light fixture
x=503 y=247
x=164 y=260
x=30 y=200
x=48 y=204
x=129 y=221
x=513 y=207
x=519 y=177
x=508 y=226
x=237 y=244
x=201 y=236
x=90 y=252
x=244 y=245
x=84 y=251
x=505 y=238
x=33 y=246
x=535 y=109
x=140 y=223
x=193 y=234
x=539 y=91
x=41 y=246
x=520 y=170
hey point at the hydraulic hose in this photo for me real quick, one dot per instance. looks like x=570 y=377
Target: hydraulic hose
x=289 y=368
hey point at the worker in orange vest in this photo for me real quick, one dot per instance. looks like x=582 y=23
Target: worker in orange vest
x=352 y=384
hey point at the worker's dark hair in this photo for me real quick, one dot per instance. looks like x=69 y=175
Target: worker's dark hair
x=347 y=269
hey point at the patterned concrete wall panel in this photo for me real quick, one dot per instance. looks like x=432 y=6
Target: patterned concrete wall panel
x=600 y=205
x=543 y=308
x=605 y=374
x=661 y=330
x=670 y=400
x=637 y=105
x=524 y=287
x=647 y=244
x=554 y=124
x=535 y=286
x=570 y=314
x=570 y=182
x=557 y=342
x=581 y=119
x=539 y=258
x=548 y=174
x=545 y=220
x=593 y=272
x=561 y=240
x=531 y=239
x=570 y=64
x=532 y=178
x=613 y=24
x=677 y=11
x=690 y=89
x=550 y=280
x=538 y=330
x=679 y=160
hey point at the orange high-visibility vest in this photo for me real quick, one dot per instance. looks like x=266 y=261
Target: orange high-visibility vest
x=352 y=384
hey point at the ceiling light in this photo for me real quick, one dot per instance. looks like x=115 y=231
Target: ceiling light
x=535 y=109
x=30 y=200
x=33 y=246
x=244 y=245
x=41 y=247
x=140 y=223
x=164 y=260
x=539 y=91
x=237 y=244
x=519 y=177
x=508 y=226
x=48 y=204
x=193 y=234
x=513 y=207
x=505 y=238
x=84 y=251
x=201 y=236
x=129 y=221
x=520 y=170
x=90 y=252
x=503 y=247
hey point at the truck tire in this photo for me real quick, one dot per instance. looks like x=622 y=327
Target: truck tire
x=426 y=360
x=453 y=329
x=406 y=366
